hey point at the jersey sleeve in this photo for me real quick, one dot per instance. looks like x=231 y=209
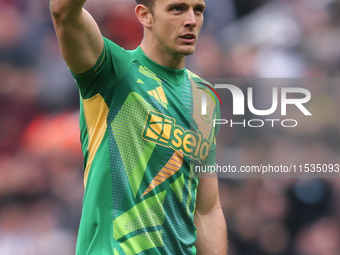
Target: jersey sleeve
x=110 y=68
x=211 y=158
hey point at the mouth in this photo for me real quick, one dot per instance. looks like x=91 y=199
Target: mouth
x=188 y=38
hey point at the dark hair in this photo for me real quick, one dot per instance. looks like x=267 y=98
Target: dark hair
x=147 y=3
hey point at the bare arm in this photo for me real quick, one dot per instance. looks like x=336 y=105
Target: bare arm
x=78 y=34
x=209 y=219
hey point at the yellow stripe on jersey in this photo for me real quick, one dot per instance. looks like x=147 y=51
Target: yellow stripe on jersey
x=155 y=94
x=162 y=94
x=95 y=112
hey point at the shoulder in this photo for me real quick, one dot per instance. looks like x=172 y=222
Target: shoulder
x=115 y=51
x=203 y=85
x=199 y=81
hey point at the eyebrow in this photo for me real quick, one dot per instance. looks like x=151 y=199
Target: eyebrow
x=180 y=3
x=201 y=6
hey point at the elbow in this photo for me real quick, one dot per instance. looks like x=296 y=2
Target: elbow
x=56 y=8
x=209 y=210
x=61 y=10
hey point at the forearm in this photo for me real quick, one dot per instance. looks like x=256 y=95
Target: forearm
x=211 y=233
x=78 y=34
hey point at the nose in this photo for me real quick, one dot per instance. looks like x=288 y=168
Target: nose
x=190 y=20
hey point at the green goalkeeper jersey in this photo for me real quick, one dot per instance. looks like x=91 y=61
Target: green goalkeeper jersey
x=142 y=132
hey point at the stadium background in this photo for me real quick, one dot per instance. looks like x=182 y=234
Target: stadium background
x=40 y=159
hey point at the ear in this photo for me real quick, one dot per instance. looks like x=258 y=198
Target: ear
x=144 y=15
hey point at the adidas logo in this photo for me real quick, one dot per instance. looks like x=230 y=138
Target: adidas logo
x=159 y=94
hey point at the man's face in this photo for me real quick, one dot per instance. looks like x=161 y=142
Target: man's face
x=176 y=25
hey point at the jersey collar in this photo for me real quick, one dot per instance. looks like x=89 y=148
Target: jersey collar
x=174 y=76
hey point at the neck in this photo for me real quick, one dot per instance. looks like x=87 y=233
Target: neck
x=162 y=57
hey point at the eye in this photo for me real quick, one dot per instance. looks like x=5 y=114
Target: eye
x=199 y=10
x=177 y=9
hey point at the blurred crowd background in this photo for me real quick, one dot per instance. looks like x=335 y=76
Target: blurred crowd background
x=40 y=159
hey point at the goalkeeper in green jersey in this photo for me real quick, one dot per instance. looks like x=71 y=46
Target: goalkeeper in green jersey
x=142 y=134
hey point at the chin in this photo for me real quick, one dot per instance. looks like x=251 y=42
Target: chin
x=186 y=50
